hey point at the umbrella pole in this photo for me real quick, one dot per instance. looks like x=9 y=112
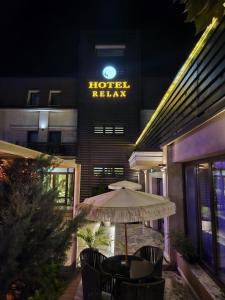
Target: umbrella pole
x=126 y=247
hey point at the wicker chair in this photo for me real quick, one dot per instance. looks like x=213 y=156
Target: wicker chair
x=91 y=257
x=154 y=255
x=91 y=282
x=153 y=290
x=94 y=258
x=95 y=282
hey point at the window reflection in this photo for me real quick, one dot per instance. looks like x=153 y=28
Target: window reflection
x=205 y=213
x=219 y=198
x=206 y=222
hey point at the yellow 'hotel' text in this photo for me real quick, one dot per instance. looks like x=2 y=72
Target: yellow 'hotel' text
x=108 y=89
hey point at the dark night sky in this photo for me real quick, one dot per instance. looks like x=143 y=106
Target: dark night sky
x=41 y=37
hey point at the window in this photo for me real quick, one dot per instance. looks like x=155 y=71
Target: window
x=218 y=171
x=108 y=130
x=98 y=171
x=110 y=50
x=108 y=171
x=32 y=136
x=55 y=98
x=119 y=130
x=205 y=213
x=54 y=137
x=99 y=129
x=63 y=180
x=118 y=172
x=33 y=98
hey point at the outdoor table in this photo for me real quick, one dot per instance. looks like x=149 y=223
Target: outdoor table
x=116 y=266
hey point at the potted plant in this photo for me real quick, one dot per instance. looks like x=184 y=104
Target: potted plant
x=93 y=238
x=184 y=246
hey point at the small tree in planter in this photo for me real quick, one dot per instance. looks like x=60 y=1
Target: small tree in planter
x=33 y=232
x=184 y=246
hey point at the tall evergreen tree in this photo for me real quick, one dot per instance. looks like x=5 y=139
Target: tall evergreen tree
x=33 y=233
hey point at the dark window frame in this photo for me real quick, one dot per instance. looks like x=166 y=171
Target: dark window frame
x=54 y=92
x=52 y=132
x=32 y=93
x=29 y=134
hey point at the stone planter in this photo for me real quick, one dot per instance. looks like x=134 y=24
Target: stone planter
x=202 y=286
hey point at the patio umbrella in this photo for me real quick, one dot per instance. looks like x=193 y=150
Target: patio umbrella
x=125 y=184
x=126 y=206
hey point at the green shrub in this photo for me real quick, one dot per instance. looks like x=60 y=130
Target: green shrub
x=33 y=233
x=50 y=286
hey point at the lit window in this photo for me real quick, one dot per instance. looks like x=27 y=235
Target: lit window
x=55 y=98
x=108 y=171
x=108 y=130
x=98 y=171
x=99 y=129
x=62 y=180
x=119 y=172
x=33 y=98
x=119 y=130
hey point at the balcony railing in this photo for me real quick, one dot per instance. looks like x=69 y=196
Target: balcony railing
x=63 y=149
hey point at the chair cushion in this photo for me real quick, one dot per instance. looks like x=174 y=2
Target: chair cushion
x=139 y=269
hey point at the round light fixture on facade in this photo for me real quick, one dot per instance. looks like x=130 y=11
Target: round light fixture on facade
x=109 y=72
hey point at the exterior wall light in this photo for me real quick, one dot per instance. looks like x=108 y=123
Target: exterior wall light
x=109 y=72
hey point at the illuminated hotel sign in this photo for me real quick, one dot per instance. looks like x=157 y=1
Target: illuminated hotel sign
x=108 y=89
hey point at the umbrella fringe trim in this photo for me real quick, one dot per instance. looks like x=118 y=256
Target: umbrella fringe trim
x=129 y=214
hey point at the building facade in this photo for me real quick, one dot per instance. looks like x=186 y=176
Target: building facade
x=31 y=116
x=109 y=107
x=93 y=118
x=188 y=127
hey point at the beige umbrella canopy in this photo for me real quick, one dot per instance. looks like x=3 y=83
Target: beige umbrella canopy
x=126 y=206
x=125 y=184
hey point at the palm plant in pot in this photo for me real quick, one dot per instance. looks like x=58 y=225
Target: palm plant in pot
x=184 y=246
x=94 y=238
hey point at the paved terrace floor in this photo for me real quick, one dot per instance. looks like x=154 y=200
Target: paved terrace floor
x=138 y=235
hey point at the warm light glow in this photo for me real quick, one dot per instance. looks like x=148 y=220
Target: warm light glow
x=108 y=89
x=197 y=49
x=3 y=166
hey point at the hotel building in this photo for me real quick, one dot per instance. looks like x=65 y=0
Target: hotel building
x=95 y=119
x=92 y=119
